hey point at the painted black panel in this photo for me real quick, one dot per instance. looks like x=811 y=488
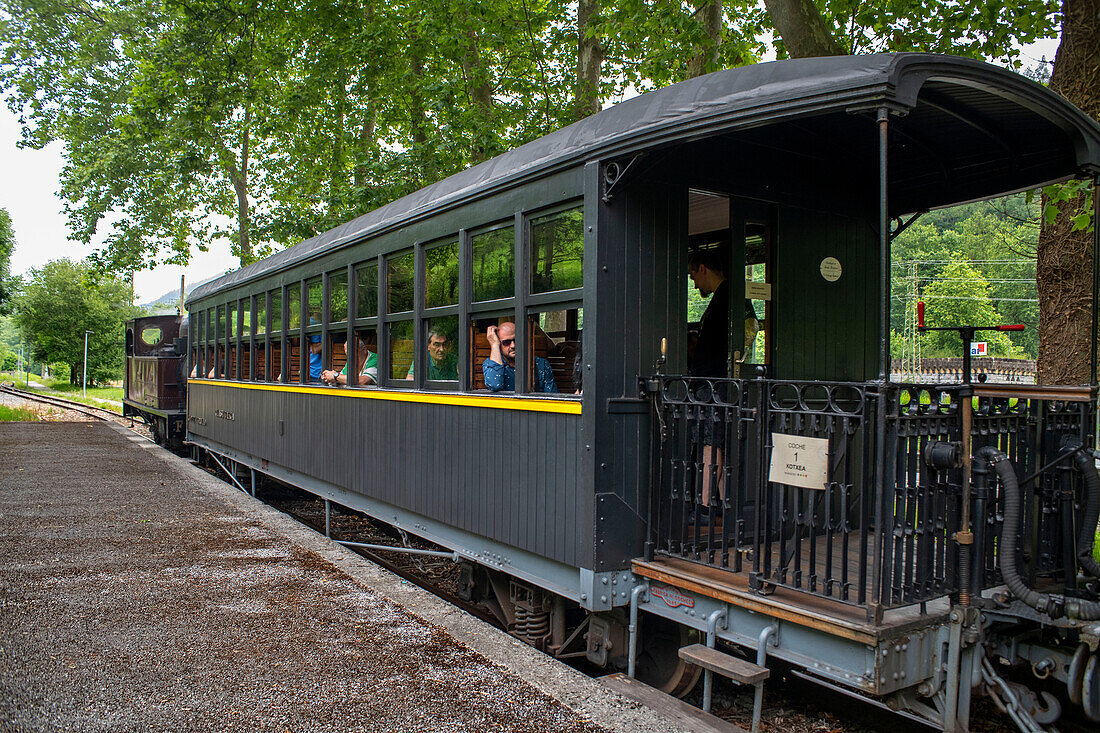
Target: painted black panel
x=823 y=330
x=508 y=475
x=641 y=271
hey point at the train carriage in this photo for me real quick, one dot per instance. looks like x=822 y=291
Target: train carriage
x=636 y=488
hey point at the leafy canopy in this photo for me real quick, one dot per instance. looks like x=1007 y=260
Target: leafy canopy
x=62 y=300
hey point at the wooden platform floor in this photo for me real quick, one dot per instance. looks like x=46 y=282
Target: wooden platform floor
x=826 y=561
x=833 y=617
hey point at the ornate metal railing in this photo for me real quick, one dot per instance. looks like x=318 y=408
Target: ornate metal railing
x=858 y=515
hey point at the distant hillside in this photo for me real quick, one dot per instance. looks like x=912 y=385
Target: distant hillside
x=168 y=302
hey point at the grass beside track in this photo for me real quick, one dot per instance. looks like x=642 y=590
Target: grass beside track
x=17 y=414
x=75 y=392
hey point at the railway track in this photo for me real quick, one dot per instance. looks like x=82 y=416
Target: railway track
x=98 y=413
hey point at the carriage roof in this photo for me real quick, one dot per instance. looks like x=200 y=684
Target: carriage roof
x=1006 y=107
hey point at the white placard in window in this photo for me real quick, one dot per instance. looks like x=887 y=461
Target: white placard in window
x=799 y=461
x=758 y=291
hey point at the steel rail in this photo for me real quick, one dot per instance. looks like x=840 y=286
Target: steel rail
x=90 y=410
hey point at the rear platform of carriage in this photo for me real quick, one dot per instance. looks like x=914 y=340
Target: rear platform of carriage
x=852 y=525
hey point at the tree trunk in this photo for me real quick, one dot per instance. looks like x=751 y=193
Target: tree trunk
x=366 y=148
x=418 y=121
x=337 y=167
x=802 y=28
x=590 y=56
x=480 y=92
x=705 y=59
x=1064 y=267
x=238 y=176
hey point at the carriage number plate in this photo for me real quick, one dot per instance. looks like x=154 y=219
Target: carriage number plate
x=799 y=461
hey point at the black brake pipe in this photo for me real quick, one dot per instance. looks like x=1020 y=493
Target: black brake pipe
x=1046 y=603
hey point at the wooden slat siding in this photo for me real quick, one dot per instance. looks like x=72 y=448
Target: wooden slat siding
x=821 y=328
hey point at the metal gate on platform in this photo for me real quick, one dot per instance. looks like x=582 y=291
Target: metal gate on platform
x=861 y=517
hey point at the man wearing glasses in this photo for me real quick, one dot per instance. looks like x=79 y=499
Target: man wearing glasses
x=499 y=369
x=442 y=361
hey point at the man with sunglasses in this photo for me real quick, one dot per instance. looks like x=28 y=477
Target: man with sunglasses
x=499 y=369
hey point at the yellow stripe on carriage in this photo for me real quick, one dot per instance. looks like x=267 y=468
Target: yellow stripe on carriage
x=496 y=402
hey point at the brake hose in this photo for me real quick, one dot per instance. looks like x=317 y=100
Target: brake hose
x=1046 y=603
x=1086 y=464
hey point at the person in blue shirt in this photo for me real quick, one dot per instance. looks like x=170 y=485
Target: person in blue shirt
x=315 y=358
x=499 y=369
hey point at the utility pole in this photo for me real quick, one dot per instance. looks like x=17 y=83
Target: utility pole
x=910 y=335
x=86 y=362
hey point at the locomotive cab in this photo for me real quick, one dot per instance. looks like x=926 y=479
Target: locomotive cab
x=155 y=379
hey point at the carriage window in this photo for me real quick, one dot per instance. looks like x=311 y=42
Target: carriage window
x=276 y=311
x=493 y=259
x=260 y=368
x=557 y=251
x=261 y=314
x=294 y=306
x=441 y=275
x=367 y=290
x=501 y=376
x=246 y=317
x=399 y=283
x=313 y=308
x=555 y=343
x=294 y=364
x=366 y=359
x=232 y=321
x=401 y=349
x=440 y=350
x=338 y=297
x=272 y=363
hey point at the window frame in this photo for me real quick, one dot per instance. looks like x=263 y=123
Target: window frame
x=355 y=274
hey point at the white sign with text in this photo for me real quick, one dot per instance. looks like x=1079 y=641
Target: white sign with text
x=799 y=461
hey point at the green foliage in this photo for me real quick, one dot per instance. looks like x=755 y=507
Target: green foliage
x=7 y=246
x=1079 y=191
x=974 y=28
x=959 y=295
x=62 y=300
x=264 y=123
x=996 y=241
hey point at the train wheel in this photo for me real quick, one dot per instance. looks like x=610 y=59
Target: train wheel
x=659 y=664
x=1090 y=689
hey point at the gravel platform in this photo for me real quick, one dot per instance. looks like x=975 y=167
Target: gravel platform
x=139 y=593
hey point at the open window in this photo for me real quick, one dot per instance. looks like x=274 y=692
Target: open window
x=553 y=350
x=501 y=375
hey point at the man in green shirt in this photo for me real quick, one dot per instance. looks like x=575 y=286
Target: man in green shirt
x=442 y=361
x=368 y=369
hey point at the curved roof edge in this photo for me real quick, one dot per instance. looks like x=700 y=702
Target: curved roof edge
x=755 y=95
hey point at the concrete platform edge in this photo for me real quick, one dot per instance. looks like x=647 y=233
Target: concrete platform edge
x=582 y=694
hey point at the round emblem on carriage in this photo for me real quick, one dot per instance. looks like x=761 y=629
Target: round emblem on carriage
x=831 y=269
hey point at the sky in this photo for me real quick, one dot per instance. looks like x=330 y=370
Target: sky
x=29 y=181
